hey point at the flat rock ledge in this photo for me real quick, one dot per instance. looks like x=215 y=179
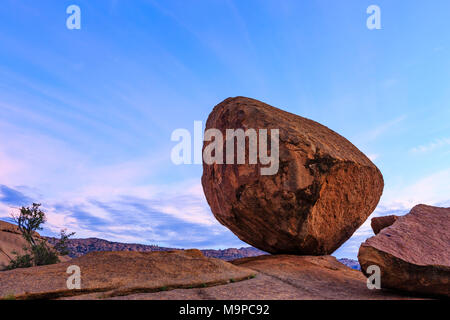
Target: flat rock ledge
x=280 y=277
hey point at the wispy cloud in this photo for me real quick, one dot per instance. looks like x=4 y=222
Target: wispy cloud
x=118 y=201
x=380 y=130
x=436 y=144
x=176 y=218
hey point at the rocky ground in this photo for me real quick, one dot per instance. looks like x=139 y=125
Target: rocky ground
x=190 y=275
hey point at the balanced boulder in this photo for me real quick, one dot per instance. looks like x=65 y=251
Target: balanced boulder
x=323 y=190
x=413 y=254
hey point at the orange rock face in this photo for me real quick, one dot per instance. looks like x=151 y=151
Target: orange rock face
x=413 y=253
x=325 y=188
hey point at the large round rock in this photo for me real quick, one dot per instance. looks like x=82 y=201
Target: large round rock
x=324 y=190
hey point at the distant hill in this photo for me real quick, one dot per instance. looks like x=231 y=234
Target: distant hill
x=350 y=263
x=79 y=247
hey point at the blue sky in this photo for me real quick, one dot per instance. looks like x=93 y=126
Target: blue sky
x=86 y=115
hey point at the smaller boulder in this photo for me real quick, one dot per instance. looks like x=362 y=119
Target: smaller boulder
x=109 y=274
x=413 y=254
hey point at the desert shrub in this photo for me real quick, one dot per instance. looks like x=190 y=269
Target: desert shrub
x=61 y=246
x=20 y=261
x=42 y=254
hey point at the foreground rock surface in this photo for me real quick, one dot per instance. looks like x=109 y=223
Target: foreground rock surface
x=324 y=190
x=278 y=278
x=413 y=253
x=122 y=273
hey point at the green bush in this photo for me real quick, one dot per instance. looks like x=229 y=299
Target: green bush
x=21 y=261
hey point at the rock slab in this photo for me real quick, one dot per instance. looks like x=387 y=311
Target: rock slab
x=413 y=253
x=324 y=190
x=283 y=277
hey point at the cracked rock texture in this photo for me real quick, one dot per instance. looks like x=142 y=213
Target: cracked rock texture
x=413 y=253
x=281 y=277
x=324 y=190
x=10 y=241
